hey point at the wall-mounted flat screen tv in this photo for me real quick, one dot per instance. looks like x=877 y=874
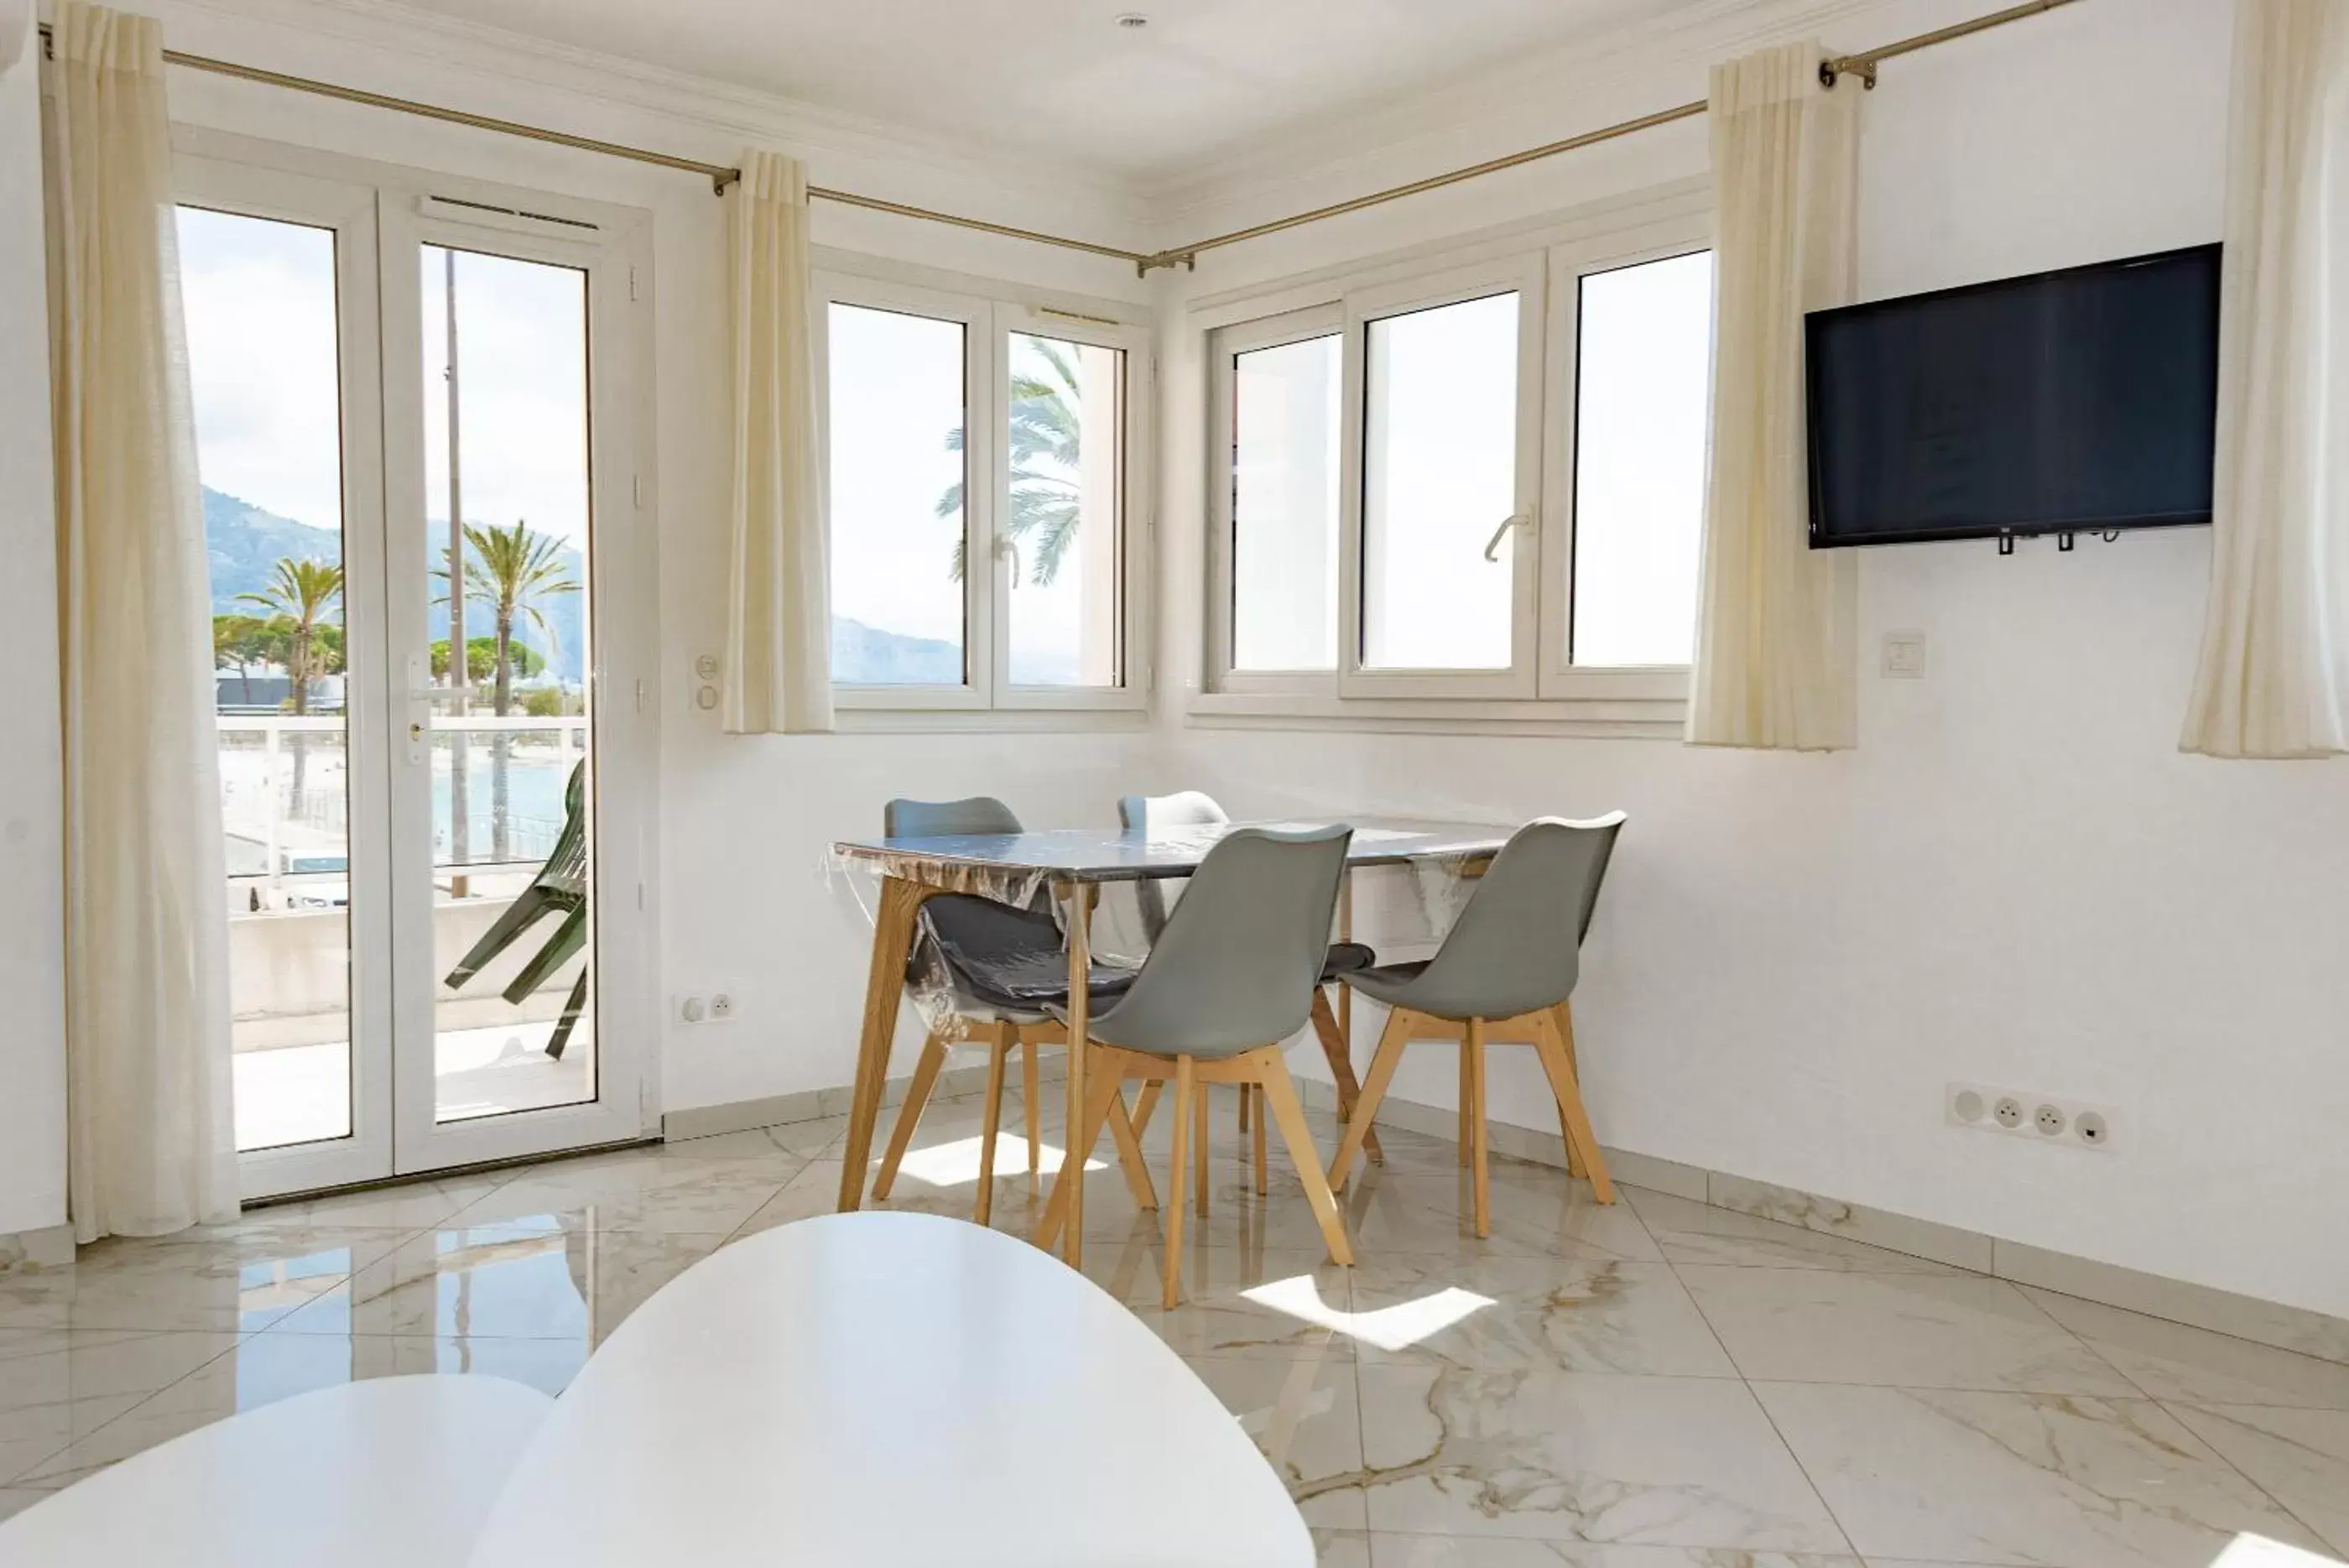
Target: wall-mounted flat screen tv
x=2081 y=401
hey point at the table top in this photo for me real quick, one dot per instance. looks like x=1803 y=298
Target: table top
x=890 y=1390
x=387 y=1473
x=1109 y=854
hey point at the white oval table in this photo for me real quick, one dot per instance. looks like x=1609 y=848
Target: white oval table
x=396 y=1472
x=884 y=1390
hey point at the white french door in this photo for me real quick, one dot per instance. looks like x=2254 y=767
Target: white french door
x=437 y=771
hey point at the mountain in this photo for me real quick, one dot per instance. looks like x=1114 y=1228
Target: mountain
x=245 y=543
x=866 y=655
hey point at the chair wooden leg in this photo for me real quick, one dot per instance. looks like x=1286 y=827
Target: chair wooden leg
x=1100 y=1090
x=1028 y=1103
x=1280 y=1101
x=1243 y=1118
x=1573 y=1117
x=1468 y=1094
x=1256 y=1092
x=909 y=1115
x=999 y=1053
x=1185 y=1069
x=1145 y=1104
x=1341 y=1070
x=1129 y=1155
x=1383 y=1063
x=1562 y=1022
x=1199 y=1161
x=1473 y=1047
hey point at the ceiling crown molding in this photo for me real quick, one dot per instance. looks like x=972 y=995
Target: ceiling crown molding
x=1530 y=101
x=715 y=118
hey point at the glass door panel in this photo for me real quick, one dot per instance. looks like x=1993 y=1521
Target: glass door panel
x=504 y=345
x=259 y=296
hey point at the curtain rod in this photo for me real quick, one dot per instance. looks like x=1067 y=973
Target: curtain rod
x=719 y=175
x=1862 y=64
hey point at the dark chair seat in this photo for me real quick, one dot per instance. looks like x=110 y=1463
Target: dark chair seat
x=1008 y=958
x=1346 y=958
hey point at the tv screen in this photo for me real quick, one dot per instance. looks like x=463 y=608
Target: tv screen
x=2083 y=401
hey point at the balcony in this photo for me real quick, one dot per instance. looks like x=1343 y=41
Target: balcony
x=284 y=794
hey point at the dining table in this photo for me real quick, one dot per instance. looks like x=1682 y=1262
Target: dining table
x=1075 y=864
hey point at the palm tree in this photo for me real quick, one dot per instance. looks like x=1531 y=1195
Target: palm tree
x=239 y=642
x=1046 y=436
x=299 y=593
x=511 y=569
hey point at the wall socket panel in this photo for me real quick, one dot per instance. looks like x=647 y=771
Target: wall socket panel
x=2025 y=1113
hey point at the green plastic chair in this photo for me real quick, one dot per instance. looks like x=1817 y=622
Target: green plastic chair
x=559 y=889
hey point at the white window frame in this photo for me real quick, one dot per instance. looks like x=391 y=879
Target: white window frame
x=1524 y=275
x=976 y=318
x=990 y=314
x=1226 y=344
x=1569 y=264
x=1545 y=259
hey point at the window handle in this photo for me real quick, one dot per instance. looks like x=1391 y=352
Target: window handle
x=1007 y=548
x=1492 y=545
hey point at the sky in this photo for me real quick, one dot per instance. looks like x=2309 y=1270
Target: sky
x=263 y=348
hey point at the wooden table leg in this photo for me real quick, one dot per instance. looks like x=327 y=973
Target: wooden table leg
x=1342 y=1068
x=884 y=987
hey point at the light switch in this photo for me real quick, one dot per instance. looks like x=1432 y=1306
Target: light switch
x=705 y=667
x=1904 y=656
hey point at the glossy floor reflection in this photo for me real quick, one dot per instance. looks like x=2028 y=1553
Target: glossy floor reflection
x=1657 y=1385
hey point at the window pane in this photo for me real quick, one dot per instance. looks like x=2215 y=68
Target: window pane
x=505 y=352
x=1285 y=506
x=897 y=477
x=1439 y=474
x=259 y=297
x=1640 y=461
x=1063 y=521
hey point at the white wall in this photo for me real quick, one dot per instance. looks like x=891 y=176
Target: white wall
x=2016 y=878
x=32 y=830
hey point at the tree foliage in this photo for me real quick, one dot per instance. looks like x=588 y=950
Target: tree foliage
x=1046 y=434
x=511 y=570
x=299 y=597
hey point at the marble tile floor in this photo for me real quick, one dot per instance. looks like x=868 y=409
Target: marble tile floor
x=1657 y=1384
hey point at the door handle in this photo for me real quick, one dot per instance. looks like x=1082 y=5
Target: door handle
x=1492 y=545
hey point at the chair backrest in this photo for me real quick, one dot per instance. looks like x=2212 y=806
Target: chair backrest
x=1517 y=945
x=1148 y=813
x=944 y=818
x=1187 y=808
x=1243 y=952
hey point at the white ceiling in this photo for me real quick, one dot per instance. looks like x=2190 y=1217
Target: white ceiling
x=1206 y=79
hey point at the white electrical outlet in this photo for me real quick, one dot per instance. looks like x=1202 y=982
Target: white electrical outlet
x=693 y=1010
x=721 y=1008
x=2017 y=1112
x=1903 y=656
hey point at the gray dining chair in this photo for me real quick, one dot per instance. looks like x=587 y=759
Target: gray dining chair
x=1232 y=976
x=1509 y=967
x=997 y=965
x=1191 y=808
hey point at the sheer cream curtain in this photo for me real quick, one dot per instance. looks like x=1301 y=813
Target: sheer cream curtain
x=2274 y=676
x=779 y=608
x=150 y=1142
x=1776 y=620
